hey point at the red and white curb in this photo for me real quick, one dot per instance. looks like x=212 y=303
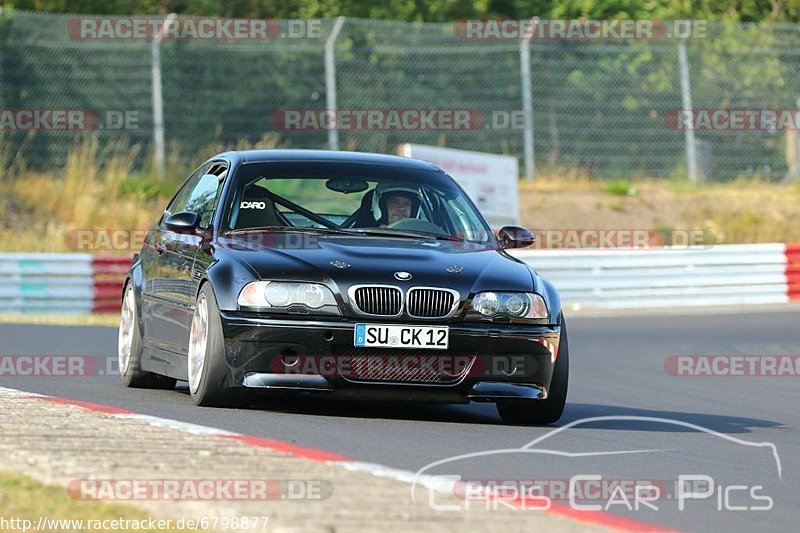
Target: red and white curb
x=793 y=271
x=434 y=483
x=107 y=276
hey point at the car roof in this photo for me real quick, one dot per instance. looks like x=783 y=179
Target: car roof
x=263 y=156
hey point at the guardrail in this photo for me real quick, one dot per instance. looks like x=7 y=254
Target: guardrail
x=60 y=283
x=107 y=283
x=665 y=277
x=601 y=278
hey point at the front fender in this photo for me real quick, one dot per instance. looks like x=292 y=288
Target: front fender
x=552 y=299
x=135 y=276
x=227 y=278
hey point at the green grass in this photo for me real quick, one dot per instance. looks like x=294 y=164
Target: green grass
x=24 y=498
x=619 y=188
x=107 y=320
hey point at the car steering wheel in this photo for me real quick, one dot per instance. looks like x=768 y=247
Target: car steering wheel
x=415 y=224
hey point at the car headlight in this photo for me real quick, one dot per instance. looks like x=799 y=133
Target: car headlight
x=288 y=296
x=486 y=303
x=510 y=304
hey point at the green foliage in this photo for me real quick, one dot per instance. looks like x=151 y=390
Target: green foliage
x=431 y=10
x=147 y=188
x=619 y=188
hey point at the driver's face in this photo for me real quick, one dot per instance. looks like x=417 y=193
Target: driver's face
x=399 y=207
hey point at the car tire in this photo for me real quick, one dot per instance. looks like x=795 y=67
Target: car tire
x=542 y=412
x=130 y=348
x=208 y=373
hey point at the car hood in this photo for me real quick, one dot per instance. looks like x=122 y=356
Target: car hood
x=343 y=261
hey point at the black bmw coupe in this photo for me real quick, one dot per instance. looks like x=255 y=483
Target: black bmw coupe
x=344 y=274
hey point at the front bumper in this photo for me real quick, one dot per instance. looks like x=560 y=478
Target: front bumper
x=507 y=361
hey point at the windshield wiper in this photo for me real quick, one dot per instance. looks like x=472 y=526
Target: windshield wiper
x=406 y=233
x=290 y=229
x=388 y=232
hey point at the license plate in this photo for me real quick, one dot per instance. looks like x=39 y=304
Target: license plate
x=397 y=336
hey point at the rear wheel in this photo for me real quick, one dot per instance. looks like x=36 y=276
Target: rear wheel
x=130 y=348
x=541 y=412
x=209 y=377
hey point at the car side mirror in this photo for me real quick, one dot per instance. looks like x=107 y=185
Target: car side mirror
x=182 y=222
x=515 y=237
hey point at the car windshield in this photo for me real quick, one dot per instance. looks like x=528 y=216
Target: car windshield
x=380 y=203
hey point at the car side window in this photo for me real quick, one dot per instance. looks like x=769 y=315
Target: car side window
x=203 y=198
x=178 y=203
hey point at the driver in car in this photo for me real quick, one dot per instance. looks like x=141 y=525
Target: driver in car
x=394 y=202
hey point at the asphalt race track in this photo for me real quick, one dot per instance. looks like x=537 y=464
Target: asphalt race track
x=618 y=370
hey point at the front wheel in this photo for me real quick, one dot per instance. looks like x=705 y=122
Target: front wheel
x=209 y=377
x=130 y=348
x=541 y=412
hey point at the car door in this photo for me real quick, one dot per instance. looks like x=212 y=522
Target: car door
x=169 y=300
x=205 y=206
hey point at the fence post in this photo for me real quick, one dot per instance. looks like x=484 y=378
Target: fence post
x=158 y=101
x=527 y=105
x=686 y=101
x=330 y=82
x=792 y=153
